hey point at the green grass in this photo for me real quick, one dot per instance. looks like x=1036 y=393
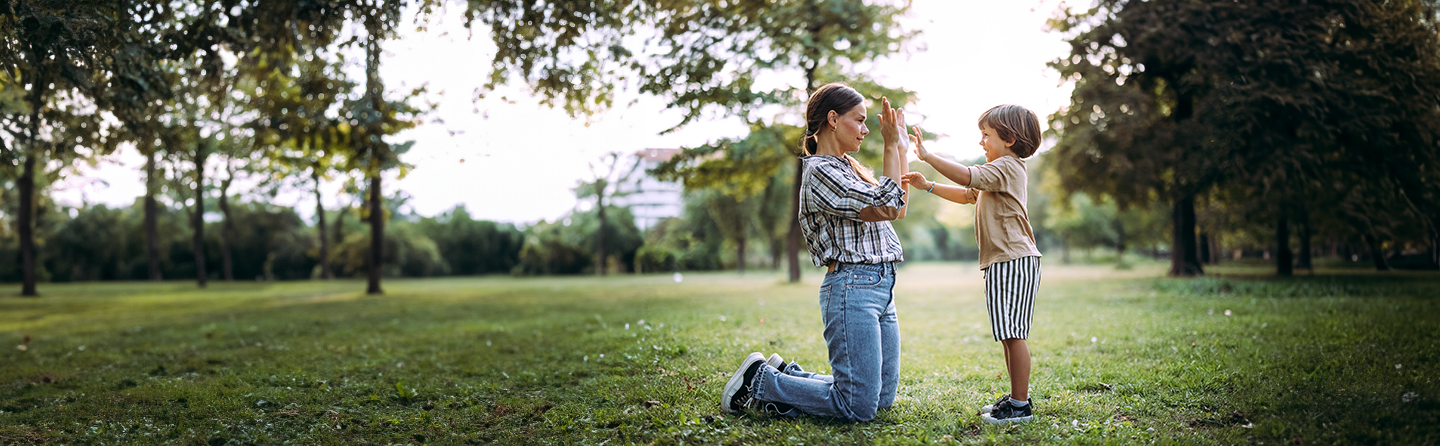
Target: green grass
x=1120 y=356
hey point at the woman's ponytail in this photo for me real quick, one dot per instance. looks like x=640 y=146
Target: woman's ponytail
x=836 y=97
x=864 y=172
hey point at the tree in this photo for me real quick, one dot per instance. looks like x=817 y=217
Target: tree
x=708 y=57
x=1268 y=100
x=606 y=186
x=52 y=56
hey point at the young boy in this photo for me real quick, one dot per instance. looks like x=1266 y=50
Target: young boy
x=1008 y=257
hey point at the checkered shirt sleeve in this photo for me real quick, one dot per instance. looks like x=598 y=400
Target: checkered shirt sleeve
x=834 y=206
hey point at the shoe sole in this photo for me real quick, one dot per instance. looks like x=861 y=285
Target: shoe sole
x=737 y=381
x=992 y=420
x=776 y=361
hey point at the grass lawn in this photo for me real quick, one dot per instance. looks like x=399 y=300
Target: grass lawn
x=1120 y=356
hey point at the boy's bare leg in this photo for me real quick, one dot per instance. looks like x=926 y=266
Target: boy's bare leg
x=1007 y=355
x=1017 y=362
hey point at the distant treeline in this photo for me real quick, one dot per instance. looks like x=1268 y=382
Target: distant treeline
x=271 y=242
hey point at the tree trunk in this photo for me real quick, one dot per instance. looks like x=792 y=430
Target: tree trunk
x=1435 y=245
x=339 y=233
x=197 y=219
x=1064 y=250
x=1182 y=241
x=740 y=251
x=324 y=242
x=1376 y=254
x=377 y=237
x=1206 y=254
x=792 y=241
x=1119 y=242
x=1306 y=260
x=26 y=184
x=1284 y=263
x=152 y=230
x=227 y=228
x=1215 y=251
x=603 y=264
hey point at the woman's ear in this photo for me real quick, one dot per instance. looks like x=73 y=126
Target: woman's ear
x=833 y=118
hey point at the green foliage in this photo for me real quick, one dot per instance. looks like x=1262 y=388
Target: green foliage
x=1278 y=110
x=473 y=246
x=691 y=242
x=568 y=246
x=407 y=253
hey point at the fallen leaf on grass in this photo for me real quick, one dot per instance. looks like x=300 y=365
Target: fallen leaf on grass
x=1107 y=386
x=652 y=403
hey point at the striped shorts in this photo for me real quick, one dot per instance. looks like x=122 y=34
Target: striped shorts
x=1010 y=296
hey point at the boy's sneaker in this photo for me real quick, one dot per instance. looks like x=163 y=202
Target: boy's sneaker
x=991 y=406
x=776 y=361
x=737 y=393
x=1005 y=412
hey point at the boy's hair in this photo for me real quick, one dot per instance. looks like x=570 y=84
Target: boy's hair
x=1014 y=124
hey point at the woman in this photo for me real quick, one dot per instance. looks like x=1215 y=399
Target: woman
x=845 y=215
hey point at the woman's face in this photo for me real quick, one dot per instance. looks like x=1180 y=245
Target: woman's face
x=850 y=129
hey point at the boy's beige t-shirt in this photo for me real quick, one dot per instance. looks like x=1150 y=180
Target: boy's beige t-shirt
x=1002 y=224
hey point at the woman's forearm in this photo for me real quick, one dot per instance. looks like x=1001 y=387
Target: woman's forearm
x=893 y=166
x=894 y=162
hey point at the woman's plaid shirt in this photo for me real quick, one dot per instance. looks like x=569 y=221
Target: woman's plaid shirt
x=844 y=218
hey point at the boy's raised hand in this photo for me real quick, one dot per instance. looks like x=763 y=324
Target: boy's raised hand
x=918 y=140
x=916 y=180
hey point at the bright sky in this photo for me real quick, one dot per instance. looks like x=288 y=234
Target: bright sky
x=519 y=162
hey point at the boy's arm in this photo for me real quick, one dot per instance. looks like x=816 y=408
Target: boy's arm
x=954 y=171
x=955 y=193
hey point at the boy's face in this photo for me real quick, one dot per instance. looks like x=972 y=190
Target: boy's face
x=994 y=146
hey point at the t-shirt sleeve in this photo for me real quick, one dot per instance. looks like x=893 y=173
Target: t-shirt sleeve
x=993 y=176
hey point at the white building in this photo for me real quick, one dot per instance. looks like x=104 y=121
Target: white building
x=650 y=199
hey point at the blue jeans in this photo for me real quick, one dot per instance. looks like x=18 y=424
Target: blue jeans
x=862 y=333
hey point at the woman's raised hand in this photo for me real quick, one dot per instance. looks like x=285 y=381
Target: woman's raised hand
x=892 y=125
x=918 y=140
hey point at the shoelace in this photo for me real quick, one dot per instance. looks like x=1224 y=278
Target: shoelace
x=741 y=399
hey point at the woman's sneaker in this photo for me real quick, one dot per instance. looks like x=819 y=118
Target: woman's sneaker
x=737 y=393
x=776 y=361
x=1005 y=412
x=991 y=406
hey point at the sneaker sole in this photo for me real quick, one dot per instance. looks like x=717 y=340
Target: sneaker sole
x=992 y=420
x=776 y=361
x=737 y=381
